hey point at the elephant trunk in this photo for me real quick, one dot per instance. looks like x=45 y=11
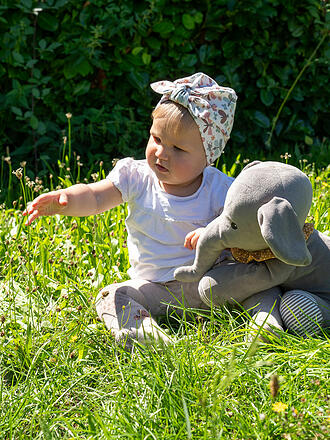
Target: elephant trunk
x=209 y=247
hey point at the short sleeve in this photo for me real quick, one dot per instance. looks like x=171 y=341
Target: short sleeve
x=129 y=178
x=215 y=189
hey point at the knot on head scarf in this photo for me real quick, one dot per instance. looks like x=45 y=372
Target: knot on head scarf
x=211 y=106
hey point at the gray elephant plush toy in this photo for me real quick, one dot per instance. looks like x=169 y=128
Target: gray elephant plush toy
x=279 y=267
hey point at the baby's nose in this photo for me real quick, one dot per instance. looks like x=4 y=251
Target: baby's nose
x=161 y=151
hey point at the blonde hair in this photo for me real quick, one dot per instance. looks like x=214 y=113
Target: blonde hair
x=177 y=116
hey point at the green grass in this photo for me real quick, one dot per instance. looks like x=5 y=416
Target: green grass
x=63 y=377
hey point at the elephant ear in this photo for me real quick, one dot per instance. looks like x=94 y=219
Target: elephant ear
x=280 y=229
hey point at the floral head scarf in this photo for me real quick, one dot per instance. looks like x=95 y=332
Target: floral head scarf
x=211 y=106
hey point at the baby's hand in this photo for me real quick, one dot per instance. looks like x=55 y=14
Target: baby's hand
x=192 y=237
x=46 y=204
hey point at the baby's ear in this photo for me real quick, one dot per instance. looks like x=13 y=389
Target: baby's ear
x=280 y=229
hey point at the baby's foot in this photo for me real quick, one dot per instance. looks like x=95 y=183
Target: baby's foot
x=269 y=325
x=127 y=320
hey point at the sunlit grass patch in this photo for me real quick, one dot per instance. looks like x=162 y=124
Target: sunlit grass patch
x=61 y=376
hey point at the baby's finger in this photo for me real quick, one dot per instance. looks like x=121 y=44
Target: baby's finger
x=27 y=209
x=187 y=243
x=63 y=200
x=35 y=214
x=42 y=200
x=189 y=235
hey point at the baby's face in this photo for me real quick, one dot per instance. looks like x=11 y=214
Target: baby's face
x=178 y=159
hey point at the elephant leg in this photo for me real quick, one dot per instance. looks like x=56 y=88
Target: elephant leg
x=305 y=313
x=264 y=309
x=232 y=282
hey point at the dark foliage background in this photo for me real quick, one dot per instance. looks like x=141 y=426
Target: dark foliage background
x=96 y=59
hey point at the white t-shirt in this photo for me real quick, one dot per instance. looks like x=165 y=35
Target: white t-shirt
x=158 y=222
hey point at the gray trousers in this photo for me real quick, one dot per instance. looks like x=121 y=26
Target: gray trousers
x=158 y=299
x=129 y=304
x=128 y=309
x=298 y=311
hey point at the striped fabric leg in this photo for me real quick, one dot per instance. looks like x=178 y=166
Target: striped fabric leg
x=300 y=312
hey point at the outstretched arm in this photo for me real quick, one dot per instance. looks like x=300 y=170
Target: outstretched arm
x=77 y=201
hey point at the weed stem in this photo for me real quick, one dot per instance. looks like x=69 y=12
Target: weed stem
x=309 y=61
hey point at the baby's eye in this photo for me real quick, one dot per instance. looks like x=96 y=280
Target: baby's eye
x=177 y=148
x=233 y=225
x=157 y=139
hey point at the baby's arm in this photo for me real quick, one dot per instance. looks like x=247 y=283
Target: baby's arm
x=192 y=238
x=77 y=201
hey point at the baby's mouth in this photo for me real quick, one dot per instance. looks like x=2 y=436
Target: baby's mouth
x=161 y=168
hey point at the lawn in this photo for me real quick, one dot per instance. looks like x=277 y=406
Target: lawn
x=62 y=377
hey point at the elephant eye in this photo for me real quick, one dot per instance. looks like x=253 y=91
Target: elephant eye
x=233 y=225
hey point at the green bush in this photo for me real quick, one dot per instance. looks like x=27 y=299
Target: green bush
x=96 y=59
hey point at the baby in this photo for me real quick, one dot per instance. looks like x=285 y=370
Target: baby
x=171 y=196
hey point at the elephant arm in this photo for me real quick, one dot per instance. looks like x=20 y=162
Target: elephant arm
x=208 y=249
x=233 y=282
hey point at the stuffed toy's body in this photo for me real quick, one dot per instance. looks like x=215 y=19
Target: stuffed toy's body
x=264 y=220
